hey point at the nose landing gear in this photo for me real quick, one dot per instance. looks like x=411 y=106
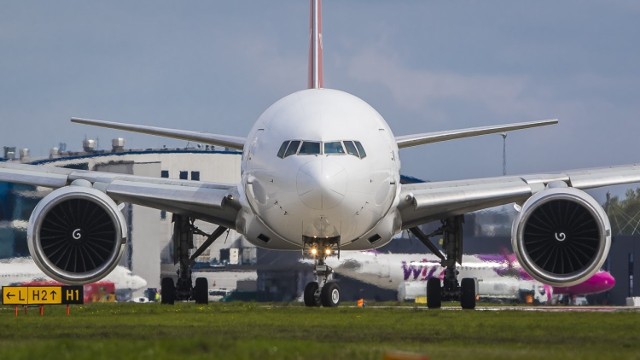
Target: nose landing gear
x=324 y=290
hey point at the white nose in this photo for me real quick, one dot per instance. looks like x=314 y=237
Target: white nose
x=321 y=184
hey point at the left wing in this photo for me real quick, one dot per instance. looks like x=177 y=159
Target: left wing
x=423 y=202
x=233 y=142
x=213 y=202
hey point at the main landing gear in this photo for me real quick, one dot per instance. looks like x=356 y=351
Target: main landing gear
x=324 y=290
x=183 y=231
x=450 y=290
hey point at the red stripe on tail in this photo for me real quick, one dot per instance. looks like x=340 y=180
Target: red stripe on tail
x=315 y=46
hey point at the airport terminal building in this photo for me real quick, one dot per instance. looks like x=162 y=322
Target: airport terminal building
x=149 y=251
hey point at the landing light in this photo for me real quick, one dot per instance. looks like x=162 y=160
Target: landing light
x=327 y=251
x=314 y=251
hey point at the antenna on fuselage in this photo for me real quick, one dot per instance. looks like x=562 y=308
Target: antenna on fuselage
x=315 y=45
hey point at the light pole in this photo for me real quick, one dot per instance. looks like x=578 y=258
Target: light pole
x=504 y=153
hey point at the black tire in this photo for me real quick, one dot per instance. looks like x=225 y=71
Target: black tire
x=201 y=291
x=468 y=293
x=168 y=291
x=311 y=297
x=434 y=294
x=330 y=294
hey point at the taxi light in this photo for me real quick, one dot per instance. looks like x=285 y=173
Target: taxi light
x=327 y=251
x=314 y=251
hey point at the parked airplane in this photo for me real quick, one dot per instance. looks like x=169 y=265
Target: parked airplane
x=24 y=270
x=320 y=172
x=408 y=274
x=499 y=277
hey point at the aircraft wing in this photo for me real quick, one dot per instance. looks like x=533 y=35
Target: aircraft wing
x=432 y=137
x=423 y=202
x=233 y=142
x=213 y=202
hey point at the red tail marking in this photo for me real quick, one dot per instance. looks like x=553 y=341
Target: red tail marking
x=315 y=46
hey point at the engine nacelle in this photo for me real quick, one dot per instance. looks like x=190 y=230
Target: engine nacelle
x=562 y=236
x=76 y=234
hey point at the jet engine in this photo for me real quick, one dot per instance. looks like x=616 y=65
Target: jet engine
x=76 y=234
x=561 y=236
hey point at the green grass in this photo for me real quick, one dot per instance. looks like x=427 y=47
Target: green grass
x=258 y=331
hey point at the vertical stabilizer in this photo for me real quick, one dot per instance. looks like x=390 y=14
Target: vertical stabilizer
x=315 y=46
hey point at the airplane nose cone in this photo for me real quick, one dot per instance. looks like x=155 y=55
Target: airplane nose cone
x=610 y=281
x=321 y=185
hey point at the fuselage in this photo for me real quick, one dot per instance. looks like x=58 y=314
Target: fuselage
x=598 y=283
x=322 y=164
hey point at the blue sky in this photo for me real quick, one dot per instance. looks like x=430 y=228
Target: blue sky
x=424 y=65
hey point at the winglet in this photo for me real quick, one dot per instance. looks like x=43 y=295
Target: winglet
x=315 y=46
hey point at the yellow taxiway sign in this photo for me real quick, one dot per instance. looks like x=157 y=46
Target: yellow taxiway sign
x=42 y=295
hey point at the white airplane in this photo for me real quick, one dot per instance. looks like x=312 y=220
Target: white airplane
x=320 y=172
x=23 y=269
x=408 y=273
x=499 y=276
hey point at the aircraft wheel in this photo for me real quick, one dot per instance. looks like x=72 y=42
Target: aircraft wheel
x=168 y=291
x=468 y=293
x=201 y=291
x=311 y=296
x=434 y=293
x=330 y=294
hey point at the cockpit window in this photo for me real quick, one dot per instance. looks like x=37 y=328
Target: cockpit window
x=334 y=147
x=351 y=148
x=293 y=147
x=310 y=148
x=360 y=150
x=283 y=148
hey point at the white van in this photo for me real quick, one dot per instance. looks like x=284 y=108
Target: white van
x=219 y=294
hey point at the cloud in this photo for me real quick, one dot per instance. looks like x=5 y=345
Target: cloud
x=418 y=89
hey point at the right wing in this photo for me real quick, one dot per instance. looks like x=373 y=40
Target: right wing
x=213 y=202
x=424 y=202
x=233 y=142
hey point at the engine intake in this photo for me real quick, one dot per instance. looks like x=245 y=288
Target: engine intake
x=562 y=236
x=76 y=235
